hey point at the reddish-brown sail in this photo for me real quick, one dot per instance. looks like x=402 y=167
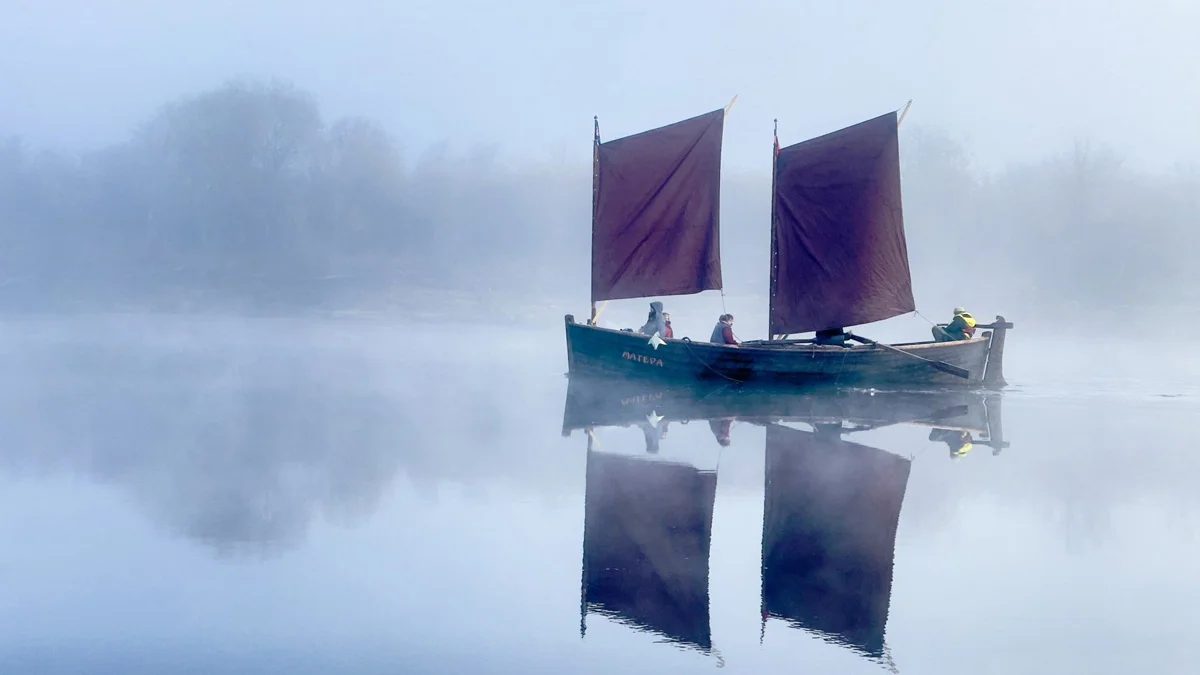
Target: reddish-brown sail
x=656 y=215
x=838 y=252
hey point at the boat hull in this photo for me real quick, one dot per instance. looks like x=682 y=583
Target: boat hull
x=595 y=351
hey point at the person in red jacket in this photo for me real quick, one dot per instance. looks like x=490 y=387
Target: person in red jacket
x=723 y=332
x=670 y=331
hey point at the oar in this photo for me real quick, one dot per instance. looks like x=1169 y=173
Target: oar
x=940 y=365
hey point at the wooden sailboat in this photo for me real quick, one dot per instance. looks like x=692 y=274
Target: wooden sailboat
x=838 y=259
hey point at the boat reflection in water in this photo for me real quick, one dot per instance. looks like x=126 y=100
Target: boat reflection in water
x=830 y=506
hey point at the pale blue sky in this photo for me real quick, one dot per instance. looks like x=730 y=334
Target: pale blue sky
x=1013 y=80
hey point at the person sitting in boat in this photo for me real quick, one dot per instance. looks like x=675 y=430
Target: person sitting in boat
x=961 y=327
x=655 y=321
x=959 y=442
x=723 y=332
x=653 y=435
x=670 y=331
x=720 y=429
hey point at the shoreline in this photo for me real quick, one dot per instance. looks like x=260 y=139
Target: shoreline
x=490 y=306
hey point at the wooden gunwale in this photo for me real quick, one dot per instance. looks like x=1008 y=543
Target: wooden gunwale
x=768 y=348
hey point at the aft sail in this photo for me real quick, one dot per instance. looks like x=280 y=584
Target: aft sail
x=838 y=251
x=830 y=515
x=656 y=211
x=646 y=537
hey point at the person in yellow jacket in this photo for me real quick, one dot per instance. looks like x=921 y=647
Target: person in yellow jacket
x=961 y=327
x=959 y=442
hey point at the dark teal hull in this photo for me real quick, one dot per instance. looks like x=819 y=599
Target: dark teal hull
x=594 y=351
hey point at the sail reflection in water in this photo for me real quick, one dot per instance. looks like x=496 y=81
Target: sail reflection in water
x=829 y=532
x=647 y=531
x=831 y=507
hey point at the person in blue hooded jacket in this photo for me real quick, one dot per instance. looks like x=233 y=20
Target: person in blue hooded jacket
x=656 y=321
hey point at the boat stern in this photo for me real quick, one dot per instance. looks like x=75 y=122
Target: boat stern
x=993 y=370
x=568 y=321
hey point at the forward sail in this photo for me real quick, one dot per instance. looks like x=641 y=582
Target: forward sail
x=830 y=514
x=838 y=252
x=656 y=211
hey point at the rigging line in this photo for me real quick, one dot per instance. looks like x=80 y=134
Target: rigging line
x=837 y=378
x=596 y=319
x=903 y=113
x=927 y=319
x=687 y=343
x=912 y=457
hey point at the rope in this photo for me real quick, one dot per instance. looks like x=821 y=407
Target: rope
x=912 y=457
x=688 y=343
x=927 y=319
x=596 y=440
x=599 y=312
x=841 y=367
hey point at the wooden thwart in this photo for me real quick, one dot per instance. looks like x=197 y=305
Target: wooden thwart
x=777 y=343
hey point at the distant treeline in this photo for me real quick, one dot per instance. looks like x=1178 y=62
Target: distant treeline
x=245 y=198
x=1066 y=235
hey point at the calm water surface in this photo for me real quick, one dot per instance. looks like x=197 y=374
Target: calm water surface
x=202 y=496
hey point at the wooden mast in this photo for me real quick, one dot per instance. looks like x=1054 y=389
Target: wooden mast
x=595 y=199
x=774 y=251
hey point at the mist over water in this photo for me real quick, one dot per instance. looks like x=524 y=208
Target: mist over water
x=281 y=311
x=364 y=496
